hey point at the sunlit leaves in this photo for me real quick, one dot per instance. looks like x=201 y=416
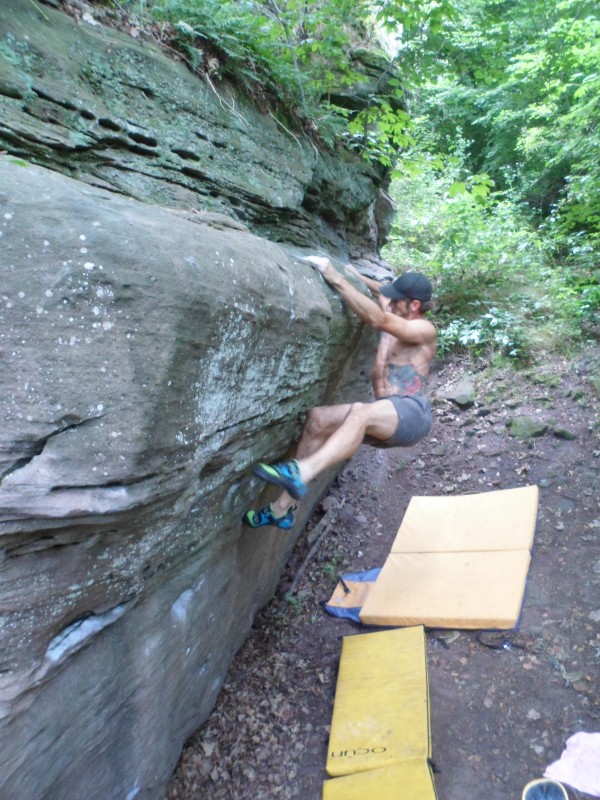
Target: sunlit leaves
x=522 y=84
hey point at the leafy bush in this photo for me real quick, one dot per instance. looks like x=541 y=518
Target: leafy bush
x=232 y=38
x=495 y=330
x=296 y=56
x=471 y=242
x=497 y=287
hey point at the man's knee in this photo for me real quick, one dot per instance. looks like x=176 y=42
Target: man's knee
x=322 y=421
x=359 y=410
x=316 y=421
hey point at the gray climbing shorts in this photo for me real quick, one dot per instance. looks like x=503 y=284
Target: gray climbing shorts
x=414 y=422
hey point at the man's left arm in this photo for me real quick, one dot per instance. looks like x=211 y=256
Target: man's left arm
x=372 y=285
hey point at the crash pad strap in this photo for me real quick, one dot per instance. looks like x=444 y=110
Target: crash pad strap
x=350 y=594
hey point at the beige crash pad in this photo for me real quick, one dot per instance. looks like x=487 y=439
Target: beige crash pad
x=457 y=562
x=449 y=590
x=410 y=779
x=381 y=709
x=502 y=520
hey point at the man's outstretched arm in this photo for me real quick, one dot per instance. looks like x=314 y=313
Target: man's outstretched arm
x=368 y=310
x=372 y=285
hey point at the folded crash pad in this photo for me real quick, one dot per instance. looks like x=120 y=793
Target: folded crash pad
x=410 y=779
x=381 y=708
x=443 y=590
x=501 y=520
x=457 y=562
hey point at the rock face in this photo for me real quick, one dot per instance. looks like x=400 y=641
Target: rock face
x=147 y=362
x=98 y=105
x=158 y=335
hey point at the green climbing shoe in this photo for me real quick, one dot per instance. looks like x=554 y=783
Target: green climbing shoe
x=265 y=516
x=286 y=475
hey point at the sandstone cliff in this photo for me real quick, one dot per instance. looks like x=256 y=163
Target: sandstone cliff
x=158 y=335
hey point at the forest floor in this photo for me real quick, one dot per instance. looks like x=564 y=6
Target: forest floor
x=499 y=715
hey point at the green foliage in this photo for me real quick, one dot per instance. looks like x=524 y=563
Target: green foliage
x=294 y=600
x=521 y=82
x=498 y=183
x=493 y=331
x=511 y=219
x=230 y=38
x=331 y=568
x=455 y=227
x=498 y=289
x=297 y=55
x=579 y=296
x=380 y=132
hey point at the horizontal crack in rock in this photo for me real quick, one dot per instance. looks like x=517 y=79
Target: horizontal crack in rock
x=38 y=447
x=124 y=484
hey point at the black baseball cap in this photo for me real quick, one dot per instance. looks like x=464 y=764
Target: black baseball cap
x=410 y=286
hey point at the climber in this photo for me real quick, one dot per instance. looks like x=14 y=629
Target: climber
x=400 y=415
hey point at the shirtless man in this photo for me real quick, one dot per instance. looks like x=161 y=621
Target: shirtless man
x=400 y=416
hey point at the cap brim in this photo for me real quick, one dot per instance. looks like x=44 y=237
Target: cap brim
x=393 y=294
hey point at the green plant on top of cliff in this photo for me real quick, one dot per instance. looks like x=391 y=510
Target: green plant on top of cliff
x=380 y=131
x=288 y=50
x=223 y=38
x=300 y=58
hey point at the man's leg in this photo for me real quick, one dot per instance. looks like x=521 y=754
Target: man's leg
x=321 y=423
x=378 y=419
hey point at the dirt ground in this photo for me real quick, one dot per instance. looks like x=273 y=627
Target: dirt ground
x=499 y=714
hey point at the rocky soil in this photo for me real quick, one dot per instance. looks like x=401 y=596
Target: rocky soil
x=502 y=705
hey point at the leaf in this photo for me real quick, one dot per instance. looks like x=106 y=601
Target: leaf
x=457 y=188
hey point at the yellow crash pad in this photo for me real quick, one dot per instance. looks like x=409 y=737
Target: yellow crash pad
x=410 y=779
x=502 y=520
x=457 y=562
x=449 y=590
x=381 y=709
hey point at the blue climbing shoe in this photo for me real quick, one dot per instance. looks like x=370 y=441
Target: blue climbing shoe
x=265 y=516
x=285 y=475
